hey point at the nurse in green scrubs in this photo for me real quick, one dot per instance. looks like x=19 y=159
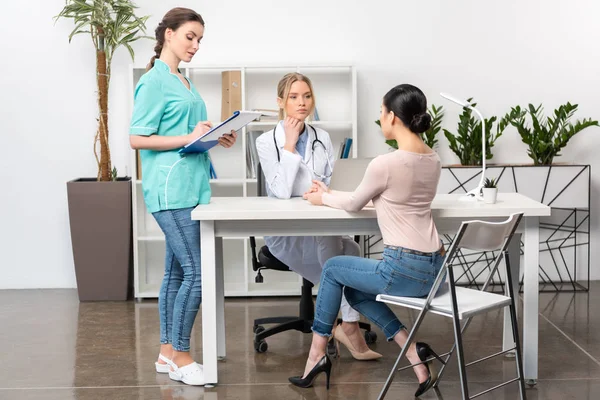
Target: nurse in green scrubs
x=169 y=113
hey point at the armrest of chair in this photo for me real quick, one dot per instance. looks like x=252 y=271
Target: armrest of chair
x=263 y=259
x=255 y=264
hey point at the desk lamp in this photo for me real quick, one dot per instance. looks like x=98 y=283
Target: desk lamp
x=474 y=194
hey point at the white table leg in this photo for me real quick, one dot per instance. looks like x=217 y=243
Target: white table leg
x=514 y=253
x=209 y=301
x=531 y=299
x=220 y=299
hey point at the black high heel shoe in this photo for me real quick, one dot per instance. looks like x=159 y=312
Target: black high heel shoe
x=424 y=352
x=324 y=365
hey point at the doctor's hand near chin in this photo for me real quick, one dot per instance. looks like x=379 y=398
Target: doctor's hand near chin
x=292 y=128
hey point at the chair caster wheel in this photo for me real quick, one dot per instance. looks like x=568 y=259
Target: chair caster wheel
x=258 y=329
x=261 y=347
x=370 y=337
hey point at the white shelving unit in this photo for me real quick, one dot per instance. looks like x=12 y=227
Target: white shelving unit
x=335 y=93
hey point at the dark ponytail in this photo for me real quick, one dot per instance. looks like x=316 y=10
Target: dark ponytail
x=409 y=104
x=172 y=19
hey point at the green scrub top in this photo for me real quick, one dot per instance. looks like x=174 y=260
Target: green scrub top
x=163 y=105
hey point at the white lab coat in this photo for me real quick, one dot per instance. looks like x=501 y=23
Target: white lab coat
x=292 y=176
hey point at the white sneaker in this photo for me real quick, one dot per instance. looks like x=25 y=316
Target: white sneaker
x=191 y=374
x=163 y=368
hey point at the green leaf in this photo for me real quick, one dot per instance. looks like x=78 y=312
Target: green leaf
x=547 y=136
x=129 y=37
x=489 y=183
x=111 y=24
x=430 y=136
x=392 y=143
x=77 y=30
x=466 y=143
x=130 y=49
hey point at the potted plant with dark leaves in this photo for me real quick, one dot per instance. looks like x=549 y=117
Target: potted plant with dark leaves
x=466 y=143
x=547 y=136
x=490 y=190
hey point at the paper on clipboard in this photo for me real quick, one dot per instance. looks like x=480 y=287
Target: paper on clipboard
x=237 y=121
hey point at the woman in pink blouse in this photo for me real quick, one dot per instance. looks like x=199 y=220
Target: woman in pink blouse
x=401 y=185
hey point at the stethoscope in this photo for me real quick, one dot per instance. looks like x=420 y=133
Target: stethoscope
x=315 y=141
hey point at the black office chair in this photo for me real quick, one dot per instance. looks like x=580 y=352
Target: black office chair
x=303 y=322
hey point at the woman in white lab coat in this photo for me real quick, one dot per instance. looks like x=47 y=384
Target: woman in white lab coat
x=291 y=156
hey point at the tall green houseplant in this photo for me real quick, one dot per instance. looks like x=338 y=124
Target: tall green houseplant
x=547 y=136
x=429 y=136
x=100 y=207
x=466 y=143
x=110 y=24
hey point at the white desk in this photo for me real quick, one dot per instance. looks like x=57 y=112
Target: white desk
x=263 y=216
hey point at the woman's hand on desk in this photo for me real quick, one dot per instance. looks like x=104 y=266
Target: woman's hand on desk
x=228 y=140
x=314 y=198
x=315 y=193
x=318 y=185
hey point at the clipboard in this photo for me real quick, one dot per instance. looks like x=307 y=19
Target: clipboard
x=237 y=121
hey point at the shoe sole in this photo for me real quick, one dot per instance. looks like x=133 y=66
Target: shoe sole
x=174 y=377
x=162 y=368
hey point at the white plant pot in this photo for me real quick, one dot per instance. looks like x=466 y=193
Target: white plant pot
x=489 y=195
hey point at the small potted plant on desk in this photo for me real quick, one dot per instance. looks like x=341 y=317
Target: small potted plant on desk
x=490 y=190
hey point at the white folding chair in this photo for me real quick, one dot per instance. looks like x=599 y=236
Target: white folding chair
x=460 y=303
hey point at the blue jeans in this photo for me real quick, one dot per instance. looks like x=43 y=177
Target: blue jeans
x=181 y=290
x=400 y=273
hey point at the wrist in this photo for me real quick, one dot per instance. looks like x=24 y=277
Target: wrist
x=290 y=147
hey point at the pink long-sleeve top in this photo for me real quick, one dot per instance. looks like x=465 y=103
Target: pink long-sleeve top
x=402 y=186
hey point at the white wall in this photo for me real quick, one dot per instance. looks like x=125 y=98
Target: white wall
x=502 y=53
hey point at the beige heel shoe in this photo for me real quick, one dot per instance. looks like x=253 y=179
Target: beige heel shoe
x=340 y=336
